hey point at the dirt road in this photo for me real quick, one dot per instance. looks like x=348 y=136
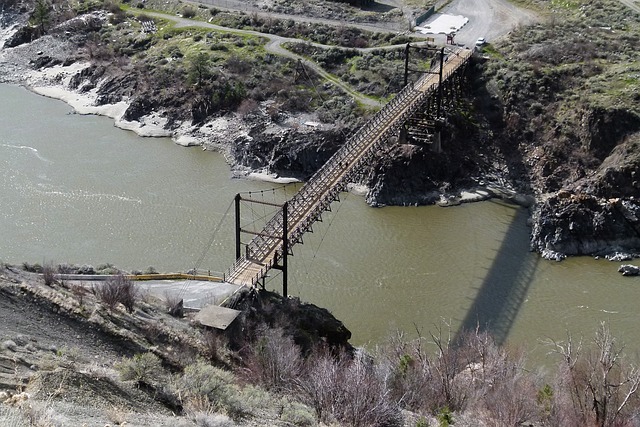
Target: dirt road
x=488 y=18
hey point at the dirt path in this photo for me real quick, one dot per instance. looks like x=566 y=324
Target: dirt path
x=274 y=45
x=487 y=18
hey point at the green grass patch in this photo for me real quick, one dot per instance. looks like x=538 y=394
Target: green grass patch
x=566 y=4
x=491 y=51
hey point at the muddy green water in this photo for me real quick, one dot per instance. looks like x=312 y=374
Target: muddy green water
x=75 y=189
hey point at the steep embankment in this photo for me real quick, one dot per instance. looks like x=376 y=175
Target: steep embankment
x=73 y=354
x=555 y=115
x=564 y=99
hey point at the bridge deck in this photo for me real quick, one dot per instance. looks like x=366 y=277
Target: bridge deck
x=317 y=194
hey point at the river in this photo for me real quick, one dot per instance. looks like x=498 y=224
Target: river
x=76 y=189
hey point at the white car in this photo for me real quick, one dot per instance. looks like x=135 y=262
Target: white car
x=481 y=41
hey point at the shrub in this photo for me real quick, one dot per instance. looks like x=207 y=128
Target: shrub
x=48 y=274
x=142 y=368
x=214 y=344
x=189 y=12
x=86 y=269
x=248 y=107
x=297 y=414
x=119 y=289
x=205 y=388
x=66 y=268
x=445 y=417
x=350 y=390
x=151 y=269
x=32 y=268
x=594 y=387
x=274 y=361
x=79 y=291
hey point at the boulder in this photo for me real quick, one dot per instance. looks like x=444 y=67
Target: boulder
x=629 y=270
x=24 y=35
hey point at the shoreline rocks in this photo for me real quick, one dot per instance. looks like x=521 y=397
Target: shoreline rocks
x=579 y=224
x=629 y=270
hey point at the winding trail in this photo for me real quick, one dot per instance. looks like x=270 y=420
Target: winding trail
x=274 y=46
x=487 y=18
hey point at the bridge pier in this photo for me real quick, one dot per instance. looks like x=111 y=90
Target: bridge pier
x=425 y=125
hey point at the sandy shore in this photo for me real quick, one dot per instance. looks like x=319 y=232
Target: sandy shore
x=54 y=82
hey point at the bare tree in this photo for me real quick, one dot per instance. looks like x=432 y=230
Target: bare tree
x=116 y=290
x=353 y=391
x=595 y=387
x=274 y=360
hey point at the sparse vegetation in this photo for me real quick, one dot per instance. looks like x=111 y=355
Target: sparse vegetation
x=541 y=77
x=143 y=368
x=42 y=15
x=48 y=274
x=271 y=378
x=117 y=290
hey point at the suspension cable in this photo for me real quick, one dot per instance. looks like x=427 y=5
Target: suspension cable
x=333 y=217
x=208 y=246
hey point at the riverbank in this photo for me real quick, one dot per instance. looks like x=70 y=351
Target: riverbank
x=137 y=365
x=583 y=183
x=221 y=134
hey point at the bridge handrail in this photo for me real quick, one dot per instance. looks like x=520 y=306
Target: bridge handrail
x=318 y=179
x=315 y=196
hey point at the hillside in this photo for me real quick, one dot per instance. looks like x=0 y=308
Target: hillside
x=562 y=100
x=73 y=353
x=80 y=354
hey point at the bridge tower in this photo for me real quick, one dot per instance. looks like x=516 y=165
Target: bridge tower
x=283 y=265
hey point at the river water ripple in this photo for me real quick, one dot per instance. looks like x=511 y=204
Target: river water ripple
x=76 y=189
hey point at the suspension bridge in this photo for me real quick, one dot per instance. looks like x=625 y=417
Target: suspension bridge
x=269 y=247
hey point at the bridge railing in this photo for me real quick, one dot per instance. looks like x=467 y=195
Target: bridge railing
x=344 y=164
x=315 y=196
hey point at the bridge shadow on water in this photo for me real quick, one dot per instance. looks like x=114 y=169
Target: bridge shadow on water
x=505 y=286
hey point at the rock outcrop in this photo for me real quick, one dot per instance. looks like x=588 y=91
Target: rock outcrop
x=629 y=270
x=579 y=224
x=309 y=325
